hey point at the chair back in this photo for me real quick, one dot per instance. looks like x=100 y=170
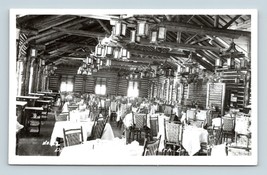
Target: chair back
x=151 y=148
x=173 y=132
x=73 y=136
x=62 y=116
x=228 y=123
x=191 y=115
x=168 y=110
x=98 y=128
x=139 y=120
x=154 y=126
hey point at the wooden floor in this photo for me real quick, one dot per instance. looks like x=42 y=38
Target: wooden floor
x=40 y=146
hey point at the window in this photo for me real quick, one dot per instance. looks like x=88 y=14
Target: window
x=66 y=84
x=133 y=89
x=100 y=87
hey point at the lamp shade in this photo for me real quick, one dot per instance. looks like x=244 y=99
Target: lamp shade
x=188 y=69
x=33 y=52
x=142 y=28
x=120 y=28
x=218 y=63
x=230 y=63
x=132 y=36
x=116 y=53
x=98 y=50
x=243 y=63
x=124 y=52
x=162 y=33
x=154 y=35
x=109 y=50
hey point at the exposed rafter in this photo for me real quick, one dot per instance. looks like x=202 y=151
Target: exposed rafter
x=201 y=30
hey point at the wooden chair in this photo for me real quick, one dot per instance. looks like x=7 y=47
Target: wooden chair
x=154 y=127
x=139 y=126
x=151 y=148
x=62 y=116
x=228 y=128
x=98 y=128
x=173 y=136
x=73 y=136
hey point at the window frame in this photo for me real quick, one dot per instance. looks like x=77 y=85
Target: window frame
x=138 y=87
x=103 y=82
x=66 y=78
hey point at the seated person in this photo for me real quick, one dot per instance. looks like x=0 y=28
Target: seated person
x=81 y=105
x=65 y=107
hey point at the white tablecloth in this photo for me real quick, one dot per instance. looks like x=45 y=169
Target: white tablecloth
x=87 y=128
x=102 y=148
x=192 y=137
x=77 y=115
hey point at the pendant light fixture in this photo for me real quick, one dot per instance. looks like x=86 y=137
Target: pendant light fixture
x=154 y=36
x=162 y=33
x=132 y=36
x=218 y=63
x=142 y=28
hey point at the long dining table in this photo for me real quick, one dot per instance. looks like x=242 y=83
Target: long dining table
x=79 y=119
x=101 y=148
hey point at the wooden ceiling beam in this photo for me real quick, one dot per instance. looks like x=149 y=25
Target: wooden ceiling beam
x=171 y=26
x=79 y=32
x=175 y=46
x=104 y=26
x=231 y=22
x=172 y=45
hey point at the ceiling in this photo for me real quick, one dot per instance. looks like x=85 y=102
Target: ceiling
x=66 y=39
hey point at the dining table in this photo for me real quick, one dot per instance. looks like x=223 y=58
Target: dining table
x=86 y=125
x=101 y=149
x=192 y=138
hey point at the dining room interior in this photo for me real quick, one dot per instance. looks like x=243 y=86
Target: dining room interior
x=133 y=85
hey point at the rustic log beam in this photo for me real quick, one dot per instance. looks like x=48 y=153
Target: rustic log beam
x=171 y=45
x=231 y=22
x=57 y=24
x=176 y=46
x=104 y=26
x=216 y=21
x=79 y=32
x=154 y=53
x=200 y=40
x=190 y=38
x=171 y=26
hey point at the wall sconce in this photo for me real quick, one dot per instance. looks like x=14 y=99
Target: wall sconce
x=142 y=28
x=162 y=33
x=218 y=63
x=154 y=35
x=33 y=52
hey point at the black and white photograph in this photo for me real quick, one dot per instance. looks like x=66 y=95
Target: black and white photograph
x=133 y=87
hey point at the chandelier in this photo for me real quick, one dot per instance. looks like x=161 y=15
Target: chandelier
x=189 y=71
x=50 y=69
x=230 y=54
x=92 y=64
